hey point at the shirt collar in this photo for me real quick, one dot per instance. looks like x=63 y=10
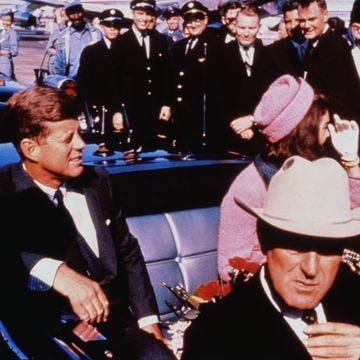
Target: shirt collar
x=49 y=191
x=107 y=43
x=285 y=311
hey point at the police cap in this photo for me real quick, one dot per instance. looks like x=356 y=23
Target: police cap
x=111 y=16
x=192 y=7
x=170 y=12
x=146 y=5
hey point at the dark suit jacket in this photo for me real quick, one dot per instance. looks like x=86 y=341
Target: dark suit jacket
x=39 y=232
x=96 y=76
x=285 y=59
x=331 y=70
x=143 y=83
x=245 y=325
x=195 y=89
x=241 y=93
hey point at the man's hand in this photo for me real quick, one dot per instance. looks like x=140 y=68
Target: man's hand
x=333 y=341
x=243 y=124
x=86 y=297
x=155 y=330
x=118 y=122
x=165 y=113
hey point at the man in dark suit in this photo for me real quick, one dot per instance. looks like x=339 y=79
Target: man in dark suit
x=228 y=12
x=144 y=75
x=194 y=62
x=245 y=75
x=303 y=303
x=76 y=245
x=329 y=65
x=287 y=54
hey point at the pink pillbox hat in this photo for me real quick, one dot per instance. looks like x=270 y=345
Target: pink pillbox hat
x=283 y=106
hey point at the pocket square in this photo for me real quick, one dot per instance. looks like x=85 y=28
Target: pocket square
x=107 y=222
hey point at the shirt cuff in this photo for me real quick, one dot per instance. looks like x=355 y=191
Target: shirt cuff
x=42 y=275
x=148 y=320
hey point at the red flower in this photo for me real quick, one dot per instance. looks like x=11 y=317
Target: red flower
x=243 y=265
x=213 y=289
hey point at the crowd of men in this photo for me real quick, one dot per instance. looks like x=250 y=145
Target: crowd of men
x=189 y=86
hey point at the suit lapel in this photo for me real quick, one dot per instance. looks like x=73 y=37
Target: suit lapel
x=105 y=242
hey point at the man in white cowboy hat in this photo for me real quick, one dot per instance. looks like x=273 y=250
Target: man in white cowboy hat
x=303 y=303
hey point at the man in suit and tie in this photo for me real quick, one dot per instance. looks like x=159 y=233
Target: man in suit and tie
x=303 y=303
x=144 y=75
x=82 y=260
x=245 y=75
x=287 y=55
x=328 y=63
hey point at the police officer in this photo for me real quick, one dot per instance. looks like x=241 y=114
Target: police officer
x=73 y=40
x=96 y=81
x=195 y=61
x=173 y=19
x=144 y=75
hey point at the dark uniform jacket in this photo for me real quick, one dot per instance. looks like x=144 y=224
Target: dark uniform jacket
x=40 y=232
x=96 y=80
x=194 y=92
x=144 y=84
x=330 y=69
x=246 y=325
x=285 y=59
x=241 y=93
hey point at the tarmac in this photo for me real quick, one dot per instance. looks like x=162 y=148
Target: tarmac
x=31 y=52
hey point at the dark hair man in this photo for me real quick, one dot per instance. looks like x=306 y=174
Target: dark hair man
x=288 y=55
x=76 y=246
x=302 y=304
x=228 y=12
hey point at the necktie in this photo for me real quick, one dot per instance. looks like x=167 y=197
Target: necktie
x=247 y=61
x=144 y=34
x=301 y=51
x=94 y=268
x=309 y=316
x=189 y=45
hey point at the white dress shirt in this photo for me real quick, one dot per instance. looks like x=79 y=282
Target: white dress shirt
x=75 y=202
x=140 y=38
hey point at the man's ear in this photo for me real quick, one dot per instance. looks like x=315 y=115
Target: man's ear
x=223 y=20
x=326 y=15
x=30 y=149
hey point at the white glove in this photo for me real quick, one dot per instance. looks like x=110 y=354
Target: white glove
x=345 y=138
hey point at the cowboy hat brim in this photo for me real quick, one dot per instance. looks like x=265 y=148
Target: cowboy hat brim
x=338 y=230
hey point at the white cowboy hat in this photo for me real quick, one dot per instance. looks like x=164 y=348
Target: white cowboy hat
x=309 y=198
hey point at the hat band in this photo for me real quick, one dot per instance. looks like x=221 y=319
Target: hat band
x=343 y=222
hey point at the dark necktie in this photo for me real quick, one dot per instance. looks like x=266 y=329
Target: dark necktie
x=301 y=50
x=144 y=34
x=309 y=316
x=94 y=268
